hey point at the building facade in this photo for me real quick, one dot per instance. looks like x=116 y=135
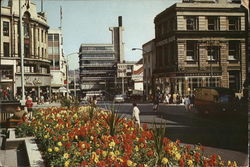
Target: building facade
x=97 y=68
x=137 y=77
x=149 y=54
x=117 y=40
x=36 y=64
x=124 y=82
x=200 y=43
x=58 y=65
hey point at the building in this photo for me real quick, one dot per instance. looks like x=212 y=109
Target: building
x=149 y=66
x=137 y=77
x=124 y=82
x=117 y=40
x=200 y=43
x=36 y=64
x=58 y=65
x=98 y=64
x=97 y=68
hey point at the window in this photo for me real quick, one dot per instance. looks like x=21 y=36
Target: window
x=233 y=51
x=50 y=37
x=56 y=37
x=213 y=23
x=6 y=49
x=26 y=50
x=42 y=35
x=6 y=28
x=38 y=34
x=233 y=23
x=191 y=51
x=26 y=30
x=42 y=53
x=39 y=52
x=192 y=23
x=213 y=53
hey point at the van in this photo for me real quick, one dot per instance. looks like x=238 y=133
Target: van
x=214 y=100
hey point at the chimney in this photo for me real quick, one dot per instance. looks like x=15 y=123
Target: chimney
x=120 y=21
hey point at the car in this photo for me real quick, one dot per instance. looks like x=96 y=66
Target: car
x=119 y=98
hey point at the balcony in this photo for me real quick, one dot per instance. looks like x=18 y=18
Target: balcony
x=95 y=78
x=97 y=65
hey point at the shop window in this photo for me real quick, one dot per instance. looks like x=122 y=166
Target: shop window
x=191 y=48
x=234 y=50
x=192 y=23
x=234 y=23
x=213 y=23
x=213 y=53
x=6 y=28
x=234 y=80
x=6 y=49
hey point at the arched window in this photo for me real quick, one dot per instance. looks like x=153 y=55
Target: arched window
x=26 y=29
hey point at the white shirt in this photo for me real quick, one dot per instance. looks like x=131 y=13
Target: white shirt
x=135 y=114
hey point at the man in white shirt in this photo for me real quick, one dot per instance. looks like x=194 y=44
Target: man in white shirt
x=135 y=114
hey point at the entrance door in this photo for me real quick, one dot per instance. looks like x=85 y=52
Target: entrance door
x=234 y=80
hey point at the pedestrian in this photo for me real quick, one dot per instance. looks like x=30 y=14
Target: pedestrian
x=135 y=114
x=94 y=101
x=192 y=98
x=5 y=94
x=156 y=105
x=167 y=99
x=29 y=105
x=187 y=103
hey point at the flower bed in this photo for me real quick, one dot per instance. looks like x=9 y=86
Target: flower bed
x=86 y=136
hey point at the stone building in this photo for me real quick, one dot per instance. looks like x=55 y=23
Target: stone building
x=35 y=33
x=149 y=66
x=200 y=43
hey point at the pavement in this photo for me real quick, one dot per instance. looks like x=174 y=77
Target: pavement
x=9 y=156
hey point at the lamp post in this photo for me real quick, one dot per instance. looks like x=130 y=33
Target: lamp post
x=143 y=51
x=67 y=71
x=21 y=50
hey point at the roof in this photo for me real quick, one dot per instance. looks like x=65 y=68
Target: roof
x=139 y=71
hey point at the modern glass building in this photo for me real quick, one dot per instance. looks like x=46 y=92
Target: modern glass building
x=97 y=68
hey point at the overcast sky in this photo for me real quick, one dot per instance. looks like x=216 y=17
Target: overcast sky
x=87 y=21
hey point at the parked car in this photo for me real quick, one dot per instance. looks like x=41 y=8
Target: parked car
x=119 y=98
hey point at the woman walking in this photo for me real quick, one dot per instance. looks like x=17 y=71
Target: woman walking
x=135 y=114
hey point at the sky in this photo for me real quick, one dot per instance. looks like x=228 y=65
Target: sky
x=88 y=21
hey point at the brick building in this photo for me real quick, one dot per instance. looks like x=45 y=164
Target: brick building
x=200 y=43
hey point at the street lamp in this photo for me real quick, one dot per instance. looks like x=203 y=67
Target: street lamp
x=143 y=51
x=68 y=74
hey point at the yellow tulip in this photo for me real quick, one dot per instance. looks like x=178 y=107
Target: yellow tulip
x=164 y=161
x=129 y=163
x=56 y=149
x=59 y=144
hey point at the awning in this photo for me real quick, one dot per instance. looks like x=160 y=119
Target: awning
x=63 y=90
